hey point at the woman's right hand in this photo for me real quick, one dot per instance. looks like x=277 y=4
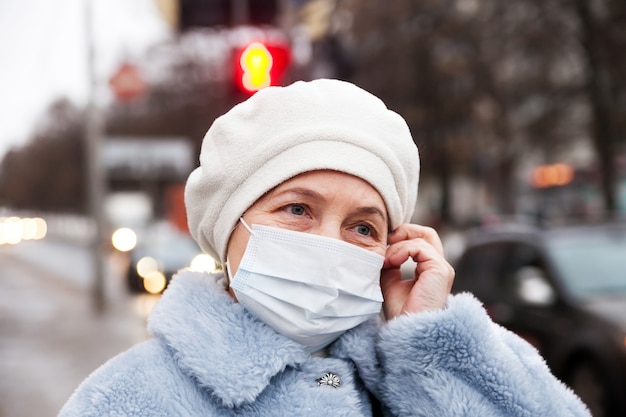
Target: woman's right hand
x=433 y=276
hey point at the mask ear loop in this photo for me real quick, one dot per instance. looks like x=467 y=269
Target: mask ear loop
x=228 y=273
x=248 y=228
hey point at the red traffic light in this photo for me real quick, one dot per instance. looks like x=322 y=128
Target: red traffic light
x=259 y=65
x=256 y=63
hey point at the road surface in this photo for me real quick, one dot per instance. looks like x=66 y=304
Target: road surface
x=50 y=336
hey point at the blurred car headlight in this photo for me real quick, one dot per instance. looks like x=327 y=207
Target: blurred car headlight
x=14 y=229
x=154 y=282
x=124 y=239
x=34 y=228
x=203 y=263
x=146 y=265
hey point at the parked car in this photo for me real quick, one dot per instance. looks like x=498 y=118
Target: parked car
x=563 y=290
x=160 y=252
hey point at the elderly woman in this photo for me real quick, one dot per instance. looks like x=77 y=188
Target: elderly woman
x=305 y=194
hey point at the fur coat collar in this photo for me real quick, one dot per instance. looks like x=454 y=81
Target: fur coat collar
x=210 y=328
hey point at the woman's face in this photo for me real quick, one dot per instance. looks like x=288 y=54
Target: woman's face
x=326 y=203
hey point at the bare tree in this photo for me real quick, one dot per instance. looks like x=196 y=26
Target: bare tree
x=48 y=172
x=485 y=83
x=603 y=38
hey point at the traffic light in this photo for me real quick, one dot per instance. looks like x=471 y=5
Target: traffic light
x=256 y=63
x=259 y=65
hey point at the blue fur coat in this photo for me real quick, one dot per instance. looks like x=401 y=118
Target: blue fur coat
x=210 y=357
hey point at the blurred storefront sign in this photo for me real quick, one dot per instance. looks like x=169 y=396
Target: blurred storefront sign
x=147 y=158
x=170 y=10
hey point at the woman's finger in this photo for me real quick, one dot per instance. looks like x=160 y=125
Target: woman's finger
x=433 y=277
x=415 y=231
x=417 y=249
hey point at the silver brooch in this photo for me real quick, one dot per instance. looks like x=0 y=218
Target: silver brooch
x=329 y=379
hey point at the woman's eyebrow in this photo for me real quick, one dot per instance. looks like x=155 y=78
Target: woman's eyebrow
x=369 y=210
x=307 y=192
x=303 y=192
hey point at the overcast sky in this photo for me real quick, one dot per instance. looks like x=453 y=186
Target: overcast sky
x=43 y=53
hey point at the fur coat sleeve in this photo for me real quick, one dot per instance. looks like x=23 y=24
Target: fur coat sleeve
x=456 y=362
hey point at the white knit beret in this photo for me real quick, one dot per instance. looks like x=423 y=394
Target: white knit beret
x=281 y=132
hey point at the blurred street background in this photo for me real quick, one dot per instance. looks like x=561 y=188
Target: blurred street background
x=50 y=336
x=518 y=109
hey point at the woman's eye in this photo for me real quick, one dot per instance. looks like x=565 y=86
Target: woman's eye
x=296 y=209
x=364 y=230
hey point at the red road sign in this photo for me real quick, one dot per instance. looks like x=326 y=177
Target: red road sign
x=127 y=83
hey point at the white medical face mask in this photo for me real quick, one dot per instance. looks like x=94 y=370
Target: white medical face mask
x=307 y=287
